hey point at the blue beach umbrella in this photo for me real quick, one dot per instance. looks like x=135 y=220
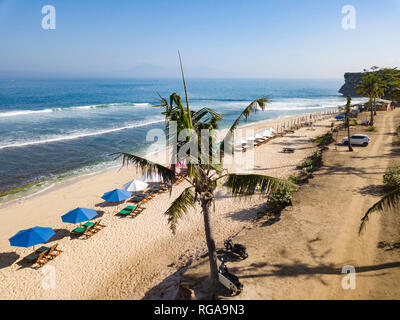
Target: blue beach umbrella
x=79 y=215
x=31 y=237
x=116 y=195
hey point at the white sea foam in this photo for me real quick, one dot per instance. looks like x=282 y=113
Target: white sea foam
x=15 y=113
x=23 y=113
x=286 y=104
x=78 y=135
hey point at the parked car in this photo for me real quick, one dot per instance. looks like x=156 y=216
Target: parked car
x=357 y=139
x=340 y=117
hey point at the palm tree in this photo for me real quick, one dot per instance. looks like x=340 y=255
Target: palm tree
x=390 y=200
x=390 y=77
x=347 y=112
x=205 y=176
x=371 y=87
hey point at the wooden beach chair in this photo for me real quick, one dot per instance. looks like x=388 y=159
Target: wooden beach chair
x=145 y=196
x=95 y=225
x=37 y=258
x=80 y=231
x=136 y=211
x=288 y=150
x=51 y=252
x=88 y=232
x=161 y=188
x=131 y=211
x=94 y=229
x=126 y=211
x=136 y=199
x=154 y=191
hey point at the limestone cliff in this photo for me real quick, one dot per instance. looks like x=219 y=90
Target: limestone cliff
x=351 y=80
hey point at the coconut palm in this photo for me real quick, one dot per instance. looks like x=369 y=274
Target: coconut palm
x=204 y=176
x=390 y=77
x=390 y=200
x=371 y=86
x=347 y=112
x=176 y=113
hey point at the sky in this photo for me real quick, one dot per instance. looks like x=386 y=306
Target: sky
x=216 y=38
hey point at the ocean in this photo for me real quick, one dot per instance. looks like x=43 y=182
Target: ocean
x=57 y=129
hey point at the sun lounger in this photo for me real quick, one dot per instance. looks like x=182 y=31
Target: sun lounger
x=37 y=258
x=160 y=188
x=94 y=229
x=80 y=231
x=130 y=211
x=289 y=150
x=96 y=225
x=136 y=199
x=51 y=252
x=145 y=196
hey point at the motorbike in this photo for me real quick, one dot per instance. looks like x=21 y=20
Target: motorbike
x=229 y=280
x=236 y=248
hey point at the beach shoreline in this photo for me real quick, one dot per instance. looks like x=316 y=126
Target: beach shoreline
x=256 y=126
x=129 y=247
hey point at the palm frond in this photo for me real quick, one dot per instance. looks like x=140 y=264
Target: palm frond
x=210 y=113
x=391 y=200
x=244 y=184
x=146 y=166
x=252 y=107
x=186 y=94
x=179 y=207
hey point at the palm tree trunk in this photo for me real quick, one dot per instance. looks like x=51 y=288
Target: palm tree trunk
x=374 y=106
x=348 y=133
x=371 y=122
x=212 y=254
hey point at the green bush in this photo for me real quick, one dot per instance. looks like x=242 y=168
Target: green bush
x=317 y=159
x=309 y=169
x=306 y=163
x=312 y=163
x=354 y=122
x=278 y=200
x=391 y=177
x=324 y=140
x=371 y=128
x=293 y=179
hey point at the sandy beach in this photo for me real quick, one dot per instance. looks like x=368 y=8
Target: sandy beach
x=129 y=256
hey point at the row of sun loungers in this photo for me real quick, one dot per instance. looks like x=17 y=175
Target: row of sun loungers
x=45 y=254
x=140 y=198
x=259 y=140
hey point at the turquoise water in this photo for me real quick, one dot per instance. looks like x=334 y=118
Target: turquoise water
x=58 y=128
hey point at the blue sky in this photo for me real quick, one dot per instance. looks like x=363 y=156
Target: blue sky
x=224 y=39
